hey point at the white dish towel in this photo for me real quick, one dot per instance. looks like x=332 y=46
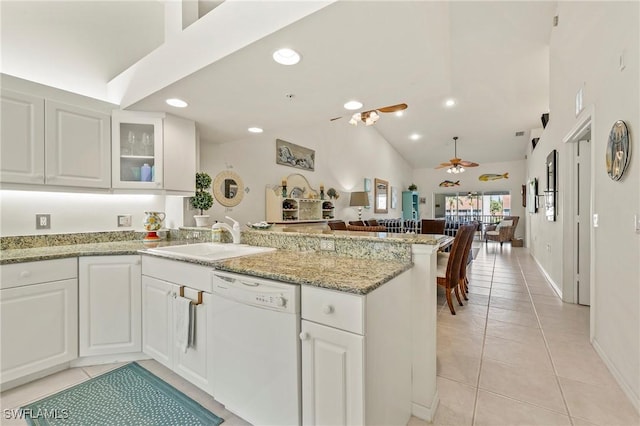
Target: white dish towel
x=184 y=321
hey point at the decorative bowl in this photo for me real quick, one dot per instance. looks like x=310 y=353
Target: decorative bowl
x=260 y=225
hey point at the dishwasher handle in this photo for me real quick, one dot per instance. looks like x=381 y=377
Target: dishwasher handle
x=227 y=279
x=234 y=280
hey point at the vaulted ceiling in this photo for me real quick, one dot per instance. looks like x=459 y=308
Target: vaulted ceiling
x=491 y=57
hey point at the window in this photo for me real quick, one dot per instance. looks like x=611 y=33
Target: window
x=483 y=206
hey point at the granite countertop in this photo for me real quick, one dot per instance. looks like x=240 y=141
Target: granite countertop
x=428 y=239
x=352 y=275
x=74 y=250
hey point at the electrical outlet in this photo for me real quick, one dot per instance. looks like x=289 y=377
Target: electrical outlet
x=124 y=220
x=43 y=221
x=327 y=245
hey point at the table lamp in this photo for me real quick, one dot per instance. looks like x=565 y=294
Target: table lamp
x=359 y=199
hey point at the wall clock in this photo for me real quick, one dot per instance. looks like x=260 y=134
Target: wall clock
x=618 y=150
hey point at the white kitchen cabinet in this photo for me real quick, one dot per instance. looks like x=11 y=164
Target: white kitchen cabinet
x=53 y=137
x=161 y=282
x=22 y=135
x=77 y=146
x=110 y=318
x=157 y=324
x=39 y=317
x=153 y=151
x=356 y=355
x=332 y=376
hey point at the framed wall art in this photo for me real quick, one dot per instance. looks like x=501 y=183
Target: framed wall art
x=552 y=189
x=292 y=155
x=618 y=150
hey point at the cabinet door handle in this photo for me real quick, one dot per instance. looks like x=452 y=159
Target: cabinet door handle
x=304 y=336
x=25 y=274
x=328 y=309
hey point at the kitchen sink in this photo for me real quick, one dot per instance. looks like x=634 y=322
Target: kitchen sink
x=210 y=251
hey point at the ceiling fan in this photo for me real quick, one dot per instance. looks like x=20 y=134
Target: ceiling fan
x=456 y=165
x=370 y=117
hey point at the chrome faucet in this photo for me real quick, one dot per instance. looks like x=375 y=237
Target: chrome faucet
x=234 y=231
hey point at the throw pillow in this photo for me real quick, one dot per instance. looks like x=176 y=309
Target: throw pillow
x=504 y=223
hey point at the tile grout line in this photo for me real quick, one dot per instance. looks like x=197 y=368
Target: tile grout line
x=546 y=344
x=484 y=338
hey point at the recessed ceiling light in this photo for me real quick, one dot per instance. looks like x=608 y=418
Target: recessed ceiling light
x=178 y=103
x=352 y=105
x=414 y=136
x=399 y=113
x=255 y=130
x=286 y=56
x=450 y=102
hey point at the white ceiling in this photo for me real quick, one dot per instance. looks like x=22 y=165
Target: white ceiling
x=492 y=57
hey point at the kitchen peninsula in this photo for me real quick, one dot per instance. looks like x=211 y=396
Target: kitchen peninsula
x=357 y=266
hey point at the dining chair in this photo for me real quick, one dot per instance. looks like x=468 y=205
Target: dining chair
x=464 y=281
x=337 y=225
x=443 y=258
x=449 y=272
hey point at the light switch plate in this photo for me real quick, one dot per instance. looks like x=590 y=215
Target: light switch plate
x=595 y=220
x=636 y=219
x=43 y=221
x=327 y=245
x=124 y=220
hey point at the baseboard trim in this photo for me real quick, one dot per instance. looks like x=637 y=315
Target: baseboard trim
x=633 y=397
x=33 y=376
x=426 y=413
x=108 y=359
x=548 y=277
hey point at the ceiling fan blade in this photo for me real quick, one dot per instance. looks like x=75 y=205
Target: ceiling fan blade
x=335 y=118
x=468 y=164
x=392 y=108
x=443 y=165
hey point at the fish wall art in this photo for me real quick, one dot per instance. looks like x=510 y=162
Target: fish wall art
x=492 y=176
x=449 y=183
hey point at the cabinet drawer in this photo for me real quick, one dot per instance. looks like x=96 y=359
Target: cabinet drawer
x=20 y=274
x=181 y=273
x=333 y=308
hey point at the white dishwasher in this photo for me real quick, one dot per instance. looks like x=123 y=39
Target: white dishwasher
x=256 y=360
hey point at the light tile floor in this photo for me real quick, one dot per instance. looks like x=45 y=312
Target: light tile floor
x=513 y=355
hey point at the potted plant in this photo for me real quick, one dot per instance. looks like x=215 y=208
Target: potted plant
x=413 y=187
x=203 y=200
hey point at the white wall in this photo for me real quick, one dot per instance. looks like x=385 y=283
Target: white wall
x=585 y=50
x=429 y=179
x=345 y=155
x=73 y=212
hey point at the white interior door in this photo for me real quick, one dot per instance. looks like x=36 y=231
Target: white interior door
x=583 y=218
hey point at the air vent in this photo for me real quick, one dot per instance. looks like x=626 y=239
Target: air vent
x=520 y=133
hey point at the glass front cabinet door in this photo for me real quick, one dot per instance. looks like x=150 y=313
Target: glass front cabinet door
x=137 y=150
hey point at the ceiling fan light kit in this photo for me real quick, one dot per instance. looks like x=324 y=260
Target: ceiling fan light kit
x=370 y=117
x=456 y=165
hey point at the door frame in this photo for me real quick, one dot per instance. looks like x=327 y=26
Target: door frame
x=585 y=123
